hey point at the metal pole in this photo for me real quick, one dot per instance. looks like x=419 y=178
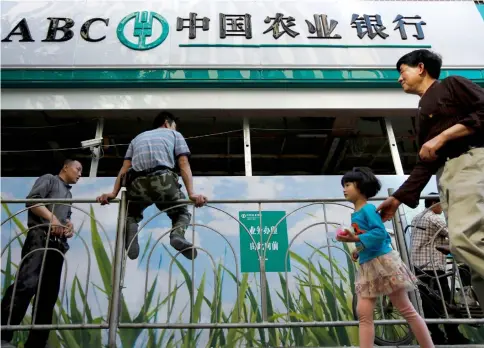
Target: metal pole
x=247 y=149
x=114 y=306
x=401 y=244
x=397 y=163
x=262 y=262
x=330 y=258
x=192 y=297
x=96 y=151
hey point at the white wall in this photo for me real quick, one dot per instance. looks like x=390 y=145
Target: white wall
x=92 y=99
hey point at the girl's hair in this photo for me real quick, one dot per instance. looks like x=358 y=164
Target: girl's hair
x=364 y=179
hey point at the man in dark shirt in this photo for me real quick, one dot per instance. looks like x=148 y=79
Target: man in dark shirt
x=451 y=133
x=39 y=219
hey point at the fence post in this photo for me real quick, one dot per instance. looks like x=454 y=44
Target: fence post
x=402 y=247
x=263 y=276
x=114 y=306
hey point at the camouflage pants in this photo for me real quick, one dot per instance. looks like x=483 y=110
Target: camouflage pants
x=161 y=187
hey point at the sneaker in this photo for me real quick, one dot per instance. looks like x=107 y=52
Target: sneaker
x=181 y=244
x=131 y=233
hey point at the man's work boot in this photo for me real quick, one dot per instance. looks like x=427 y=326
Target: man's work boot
x=181 y=244
x=131 y=234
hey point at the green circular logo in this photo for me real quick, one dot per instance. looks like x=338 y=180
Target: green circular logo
x=143 y=28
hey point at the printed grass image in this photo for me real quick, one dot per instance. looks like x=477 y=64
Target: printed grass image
x=312 y=293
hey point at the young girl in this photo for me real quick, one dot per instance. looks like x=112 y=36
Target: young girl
x=382 y=271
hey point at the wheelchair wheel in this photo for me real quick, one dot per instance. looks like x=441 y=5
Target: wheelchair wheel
x=387 y=335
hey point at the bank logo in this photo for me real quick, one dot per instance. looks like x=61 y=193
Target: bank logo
x=143 y=28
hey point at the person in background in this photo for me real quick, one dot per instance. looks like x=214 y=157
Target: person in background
x=382 y=271
x=149 y=167
x=451 y=136
x=425 y=259
x=53 y=221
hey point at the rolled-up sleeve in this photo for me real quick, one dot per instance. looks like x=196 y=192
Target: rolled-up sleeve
x=129 y=153
x=181 y=147
x=41 y=188
x=472 y=97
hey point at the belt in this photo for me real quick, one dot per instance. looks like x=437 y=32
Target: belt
x=147 y=172
x=133 y=174
x=453 y=155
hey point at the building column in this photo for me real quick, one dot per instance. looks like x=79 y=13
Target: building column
x=397 y=163
x=247 y=150
x=96 y=151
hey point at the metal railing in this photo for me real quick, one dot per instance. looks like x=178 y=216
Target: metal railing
x=119 y=257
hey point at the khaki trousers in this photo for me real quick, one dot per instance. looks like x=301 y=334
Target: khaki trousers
x=461 y=189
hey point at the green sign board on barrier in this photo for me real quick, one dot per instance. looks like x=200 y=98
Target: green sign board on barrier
x=275 y=248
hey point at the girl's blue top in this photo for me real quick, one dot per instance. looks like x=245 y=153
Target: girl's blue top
x=374 y=238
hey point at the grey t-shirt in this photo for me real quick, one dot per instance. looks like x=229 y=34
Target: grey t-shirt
x=50 y=186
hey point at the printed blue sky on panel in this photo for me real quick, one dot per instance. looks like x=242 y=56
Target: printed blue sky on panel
x=220 y=188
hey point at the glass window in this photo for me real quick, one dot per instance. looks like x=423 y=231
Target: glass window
x=317 y=143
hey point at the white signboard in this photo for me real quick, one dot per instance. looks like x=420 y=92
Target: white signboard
x=237 y=34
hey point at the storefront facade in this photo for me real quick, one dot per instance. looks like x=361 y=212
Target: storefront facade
x=237 y=55
x=269 y=93
x=87 y=44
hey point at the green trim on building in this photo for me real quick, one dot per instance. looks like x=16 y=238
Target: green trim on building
x=223 y=78
x=480 y=8
x=205 y=45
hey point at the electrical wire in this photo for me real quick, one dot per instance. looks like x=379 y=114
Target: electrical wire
x=42 y=150
x=298 y=130
x=113 y=145
x=187 y=138
x=213 y=134
x=45 y=127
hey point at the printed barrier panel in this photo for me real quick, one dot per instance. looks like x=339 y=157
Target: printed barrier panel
x=224 y=284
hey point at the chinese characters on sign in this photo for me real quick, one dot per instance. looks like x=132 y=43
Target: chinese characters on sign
x=280 y=21
x=319 y=28
x=371 y=25
x=192 y=24
x=401 y=26
x=235 y=25
x=267 y=246
x=256 y=240
x=266 y=230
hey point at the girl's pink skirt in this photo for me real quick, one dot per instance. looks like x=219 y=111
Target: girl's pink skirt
x=384 y=275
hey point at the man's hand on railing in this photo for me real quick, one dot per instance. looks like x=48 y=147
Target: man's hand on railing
x=105 y=198
x=199 y=200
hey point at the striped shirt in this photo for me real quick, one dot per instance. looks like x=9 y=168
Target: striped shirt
x=424 y=227
x=158 y=147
